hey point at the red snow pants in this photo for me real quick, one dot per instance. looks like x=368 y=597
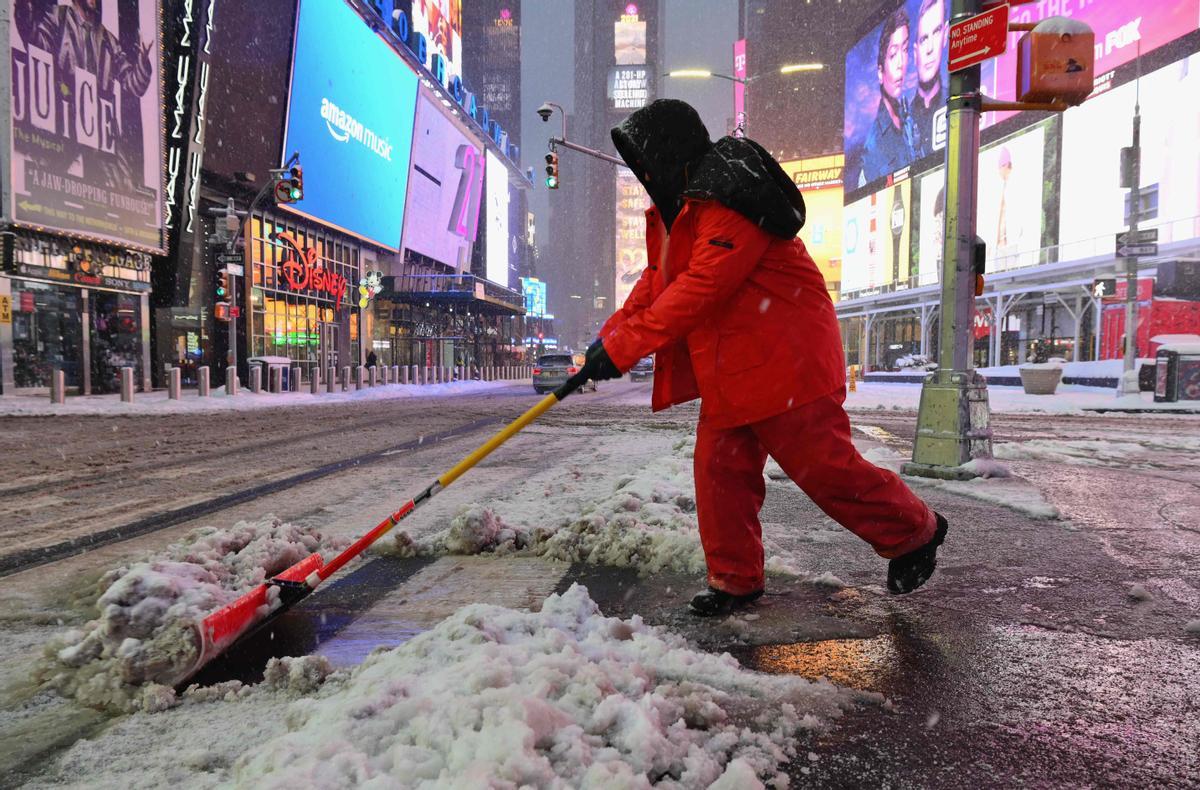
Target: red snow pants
x=812 y=445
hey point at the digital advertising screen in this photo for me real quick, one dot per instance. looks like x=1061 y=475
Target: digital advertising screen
x=631 y=204
x=351 y=120
x=441 y=22
x=1121 y=28
x=931 y=222
x=876 y=235
x=87 y=131
x=497 y=220
x=1010 y=201
x=445 y=188
x=896 y=89
x=535 y=296
x=1093 y=204
x=820 y=181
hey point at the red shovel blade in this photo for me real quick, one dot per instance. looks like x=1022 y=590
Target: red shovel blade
x=221 y=628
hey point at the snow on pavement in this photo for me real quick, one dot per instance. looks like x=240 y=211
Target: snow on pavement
x=997 y=487
x=1137 y=451
x=151 y=403
x=644 y=518
x=143 y=638
x=564 y=697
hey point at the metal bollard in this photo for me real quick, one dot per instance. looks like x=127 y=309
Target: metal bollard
x=314 y=383
x=174 y=383
x=58 y=386
x=275 y=379
x=331 y=380
x=346 y=378
x=256 y=379
x=386 y=372
x=402 y=374
x=127 y=385
x=231 y=381
x=374 y=375
x=296 y=380
x=203 y=389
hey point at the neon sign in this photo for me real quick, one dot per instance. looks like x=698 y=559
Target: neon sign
x=302 y=272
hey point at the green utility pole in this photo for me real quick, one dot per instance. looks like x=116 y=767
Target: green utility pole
x=952 y=424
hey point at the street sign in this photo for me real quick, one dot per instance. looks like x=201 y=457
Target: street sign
x=229 y=257
x=234 y=269
x=5 y=309
x=979 y=38
x=1104 y=287
x=1147 y=236
x=1136 y=250
x=235 y=311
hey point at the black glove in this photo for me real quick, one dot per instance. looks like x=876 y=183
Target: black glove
x=598 y=366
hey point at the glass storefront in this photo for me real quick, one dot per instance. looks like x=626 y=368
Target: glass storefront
x=47 y=333
x=303 y=295
x=116 y=338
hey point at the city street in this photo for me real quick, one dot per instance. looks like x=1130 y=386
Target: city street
x=1056 y=645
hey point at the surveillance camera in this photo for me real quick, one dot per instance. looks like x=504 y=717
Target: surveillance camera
x=545 y=111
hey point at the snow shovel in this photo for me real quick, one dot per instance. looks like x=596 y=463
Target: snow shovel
x=225 y=626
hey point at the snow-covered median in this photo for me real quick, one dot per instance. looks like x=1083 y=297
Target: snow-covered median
x=647 y=520
x=144 y=632
x=564 y=697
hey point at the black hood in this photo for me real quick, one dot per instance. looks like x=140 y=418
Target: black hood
x=659 y=142
x=667 y=146
x=740 y=174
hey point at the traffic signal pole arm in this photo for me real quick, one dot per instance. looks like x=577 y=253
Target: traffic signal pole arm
x=557 y=141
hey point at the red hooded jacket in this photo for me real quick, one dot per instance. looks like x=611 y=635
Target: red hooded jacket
x=735 y=315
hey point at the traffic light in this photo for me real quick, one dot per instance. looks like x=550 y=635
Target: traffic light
x=552 y=170
x=221 y=290
x=221 y=311
x=979 y=263
x=289 y=185
x=296 y=183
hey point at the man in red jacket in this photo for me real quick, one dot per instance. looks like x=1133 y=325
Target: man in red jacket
x=737 y=314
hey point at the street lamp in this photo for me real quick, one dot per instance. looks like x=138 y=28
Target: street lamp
x=740 y=128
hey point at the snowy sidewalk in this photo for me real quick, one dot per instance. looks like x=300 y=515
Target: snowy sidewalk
x=157 y=402
x=1070 y=399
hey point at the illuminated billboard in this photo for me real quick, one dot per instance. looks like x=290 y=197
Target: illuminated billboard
x=445 y=189
x=1122 y=28
x=820 y=181
x=629 y=38
x=1010 y=209
x=876 y=235
x=497 y=220
x=931 y=221
x=896 y=89
x=354 y=137
x=86 y=114
x=440 y=21
x=1093 y=204
x=632 y=202
x=628 y=88
x=535 y=297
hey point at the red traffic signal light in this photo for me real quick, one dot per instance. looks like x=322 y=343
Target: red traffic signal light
x=221 y=311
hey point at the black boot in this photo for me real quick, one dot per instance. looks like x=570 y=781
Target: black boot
x=711 y=603
x=908 y=572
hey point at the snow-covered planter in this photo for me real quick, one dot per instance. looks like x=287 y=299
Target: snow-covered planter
x=1042 y=378
x=915 y=362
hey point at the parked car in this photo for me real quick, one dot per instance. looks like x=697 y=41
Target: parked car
x=553 y=370
x=644 y=369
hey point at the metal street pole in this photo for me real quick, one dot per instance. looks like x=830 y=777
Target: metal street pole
x=1128 y=384
x=952 y=424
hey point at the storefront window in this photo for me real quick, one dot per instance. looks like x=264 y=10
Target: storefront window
x=116 y=339
x=47 y=333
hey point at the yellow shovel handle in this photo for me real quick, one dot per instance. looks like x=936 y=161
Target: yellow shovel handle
x=500 y=438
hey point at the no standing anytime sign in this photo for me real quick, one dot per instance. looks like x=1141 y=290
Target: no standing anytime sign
x=974 y=40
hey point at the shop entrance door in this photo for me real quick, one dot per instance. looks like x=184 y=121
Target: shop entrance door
x=330 y=335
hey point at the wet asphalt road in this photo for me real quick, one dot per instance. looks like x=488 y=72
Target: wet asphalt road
x=1026 y=661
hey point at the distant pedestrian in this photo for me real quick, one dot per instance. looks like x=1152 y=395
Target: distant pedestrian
x=372 y=360
x=738 y=315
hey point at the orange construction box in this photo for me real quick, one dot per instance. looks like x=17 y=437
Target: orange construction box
x=1056 y=62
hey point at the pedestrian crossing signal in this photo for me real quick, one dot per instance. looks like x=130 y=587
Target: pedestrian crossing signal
x=552 y=170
